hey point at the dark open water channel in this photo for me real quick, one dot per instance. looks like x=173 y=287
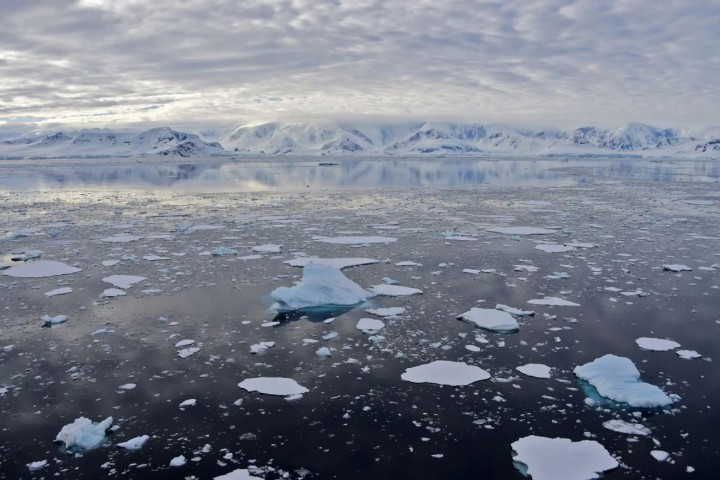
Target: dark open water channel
x=359 y=419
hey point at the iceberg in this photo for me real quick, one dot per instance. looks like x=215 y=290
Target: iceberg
x=40 y=269
x=490 y=319
x=83 y=434
x=321 y=285
x=618 y=379
x=444 y=372
x=544 y=458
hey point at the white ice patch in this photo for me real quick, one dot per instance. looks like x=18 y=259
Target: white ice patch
x=127 y=386
x=273 y=386
x=261 y=348
x=688 y=354
x=554 y=248
x=370 y=325
x=338 y=263
x=134 y=443
x=112 y=293
x=121 y=238
x=618 y=379
x=267 y=248
x=35 y=466
x=155 y=258
x=387 y=312
x=190 y=402
x=59 y=291
x=123 y=281
x=40 y=269
x=622 y=426
x=83 y=434
x=239 y=474
x=514 y=311
x=521 y=230
x=178 y=461
x=186 y=352
x=660 y=455
x=110 y=263
x=408 y=263
x=355 y=240
x=49 y=321
x=394 y=290
x=443 y=372
x=536 y=370
x=321 y=285
x=562 y=459
x=676 y=268
x=490 y=319
x=656 y=344
x=553 y=301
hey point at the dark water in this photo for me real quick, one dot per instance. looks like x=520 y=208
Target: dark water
x=359 y=420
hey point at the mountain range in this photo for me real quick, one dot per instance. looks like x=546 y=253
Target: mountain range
x=367 y=139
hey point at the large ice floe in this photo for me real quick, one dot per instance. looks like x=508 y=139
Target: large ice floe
x=491 y=319
x=544 y=458
x=321 y=286
x=273 y=386
x=83 y=434
x=444 y=372
x=618 y=379
x=40 y=269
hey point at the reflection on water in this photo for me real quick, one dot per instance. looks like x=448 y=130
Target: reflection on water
x=288 y=175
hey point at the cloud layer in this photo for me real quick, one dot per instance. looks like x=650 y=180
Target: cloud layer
x=97 y=62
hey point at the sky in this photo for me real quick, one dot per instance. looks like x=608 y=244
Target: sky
x=562 y=63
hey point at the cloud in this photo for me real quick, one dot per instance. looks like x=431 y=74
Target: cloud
x=551 y=61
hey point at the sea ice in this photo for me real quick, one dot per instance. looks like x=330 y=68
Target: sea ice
x=387 y=312
x=323 y=352
x=260 y=348
x=490 y=319
x=49 y=321
x=622 y=426
x=267 y=248
x=321 y=285
x=676 y=268
x=123 y=281
x=134 y=443
x=355 y=240
x=40 y=269
x=408 y=263
x=110 y=263
x=58 y=291
x=618 y=379
x=561 y=458
x=660 y=455
x=554 y=248
x=239 y=474
x=688 y=354
x=443 y=372
x=514 y=311
x=35 y=466
x=656 y=344
x=223 y=251
x=521 y=230
x=121 y=238
x=553 y=301
x=536 y=370
x=338 y=263
x=370 y=325
x=190 y=402
x=83 y=434
x=184 y=343
x=273 y=386
x=186 y=352
x=394 y=290
x=112 y=293
x=178 y=461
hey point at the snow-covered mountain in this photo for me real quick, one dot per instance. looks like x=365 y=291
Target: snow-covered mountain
x=155 y=142
x=325 y=138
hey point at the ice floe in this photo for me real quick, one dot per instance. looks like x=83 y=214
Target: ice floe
x=688 y=354
x=338 y=263
x=536 y=370
x=40 y=269
x=239 y=474
x=386 y=312
x=514 y=311
x=553 y=301
x=35 y=466
x=190 y=402
x=273 y=386
x=444 y=372
x=554 y=248
x=59 y=291
x=618 y=379
x=394 y=290
x=370 y=325
x=134 y=443
x=622 y=426
x=178 y=461
x=676 y=268
x=321 y=285
x=491 y=319
x=186 y=352
x=355 y=240
x=656 y=344
x=521 y=230
x=261 y=347
x=112 y=293
x=121 y=238
x=123 y=281
x=660 y=455
x=83 y=434
x=267 y=248
x=561 y=459
x=49 y=321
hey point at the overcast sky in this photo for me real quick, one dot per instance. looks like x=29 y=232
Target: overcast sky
x=528 y=62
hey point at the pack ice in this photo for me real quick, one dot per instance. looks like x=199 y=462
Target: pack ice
x=618 y=379
x=40 y=269
x=490 y=319
x=83 y=434
x=321 y=285
x=561 y=458
x=444 y=372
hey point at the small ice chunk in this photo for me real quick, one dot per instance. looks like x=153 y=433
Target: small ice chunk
x=155 y=258
x=40 y=269
x=223 y=251
x=35 y=466
x=178 y=461
x=273 y=386
x=472 y=348
x=112 y=293
x=521 y=230
x=490 y=319
x=408 y=263
x=370 y=325
x=267 y=248
x=134 y=443
x=190 y=402
x=688 y=354
x=553 y=301
x=186 y=352
x=49 y=321
x=239 y=474
x=58 y=291
x=622 y=426
x=387 y=312
x=123 y=281
x=394 y=290
x=338 y=263
x=660 y=455
x=514 y=311
x=127 y=386
x=443 y=372
x=321 y=285
x=656 y=344
x=323 y=352
x=260 y=348
x=618 y=379
x=554 y=248
x=83 y=434
x=110 y=263
x=676 y=268
x=355 y=240
x=536 y=370
x=561 y=458
x=184 y=343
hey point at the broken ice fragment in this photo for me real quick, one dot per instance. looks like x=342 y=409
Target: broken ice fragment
x=35 y=466
x=621 y=426
x=134 y=443
x=184 y=343
x=370 y=325
x=178 y=461
x=40 y=269
x=443 y=372
x=323 y=352
x=186 y=352
x=394 y=290
x=59 y=291
x=121 y=238
x=339 y=263
x=521 y=230
x=656 y=344
x=123 y=281
x=273 y=386
x=688 y=354
x=676 y=268
x=490 y=319
x=112 y=293
x=618 y=379
x=536 y=370
x=355 y=240
x=49 y=321
x=660 y=455
x=387 y=312
x=267 y=248
x=83 y=434
x=544 y=458
x=239 y=474
x=190 y=402
x=553 y=301
x=554 y=248
x=223 y=251
x=260 y=348
x=514 y=311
